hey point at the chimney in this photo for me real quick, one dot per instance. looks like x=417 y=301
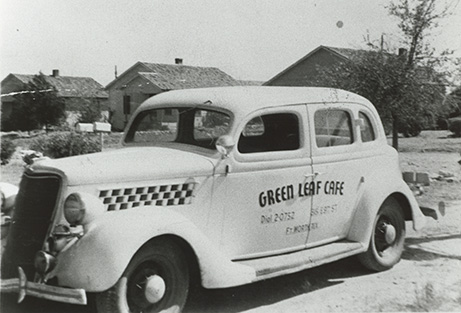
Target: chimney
x=55 y=73
x=178 y=61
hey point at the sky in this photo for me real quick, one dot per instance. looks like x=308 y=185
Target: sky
x=247 y=39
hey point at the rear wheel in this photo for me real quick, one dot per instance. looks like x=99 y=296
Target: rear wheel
x=156 y=280
x=387 y=239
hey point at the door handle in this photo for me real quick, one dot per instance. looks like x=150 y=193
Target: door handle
x=315 y=174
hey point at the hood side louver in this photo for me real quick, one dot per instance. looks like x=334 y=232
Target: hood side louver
x=161 y=195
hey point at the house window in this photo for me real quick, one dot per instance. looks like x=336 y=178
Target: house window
x=126 y=105
x=271 y=132
x=333 y=128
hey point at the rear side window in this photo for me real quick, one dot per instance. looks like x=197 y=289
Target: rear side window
x=366 y=130
x=271 y=132
x=333 y=128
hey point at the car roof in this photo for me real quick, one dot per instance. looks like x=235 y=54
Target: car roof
x=244 y=100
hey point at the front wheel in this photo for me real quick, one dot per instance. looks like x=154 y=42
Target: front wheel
x=387 y=239
x=156 y=280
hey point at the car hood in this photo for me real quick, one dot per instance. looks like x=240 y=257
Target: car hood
x=129 y=164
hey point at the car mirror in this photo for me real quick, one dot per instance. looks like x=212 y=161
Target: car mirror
x=224 y=145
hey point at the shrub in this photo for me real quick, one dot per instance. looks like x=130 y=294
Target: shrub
x=8 y=148
x=410 y=127
x=89 y=113
x=454 y=125
x=64 y=144
x=442 y=123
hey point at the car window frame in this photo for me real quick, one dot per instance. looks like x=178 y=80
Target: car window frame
x=372 y=124
x=126 y=143
x=350 y=113
x=351 y=109
x=304 y=148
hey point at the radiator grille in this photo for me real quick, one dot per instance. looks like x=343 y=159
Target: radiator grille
x=35 y=203
x=160 y=195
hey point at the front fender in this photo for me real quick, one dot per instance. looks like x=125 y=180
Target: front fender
x=97 y=260
x=371 y=198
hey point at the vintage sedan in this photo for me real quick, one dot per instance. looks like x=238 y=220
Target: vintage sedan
x=215 y=187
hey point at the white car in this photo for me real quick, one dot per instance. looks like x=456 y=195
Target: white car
x=218 y=187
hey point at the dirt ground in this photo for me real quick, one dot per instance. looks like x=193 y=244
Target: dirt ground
x=428 y=278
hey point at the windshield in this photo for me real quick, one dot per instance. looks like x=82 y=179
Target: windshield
x=199 y=127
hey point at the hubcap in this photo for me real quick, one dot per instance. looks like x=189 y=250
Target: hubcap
x=389 y=233
x=155 y=289
x=385 y=235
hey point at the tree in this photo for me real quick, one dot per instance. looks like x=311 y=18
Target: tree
x=22 y=117
x=417 y=19
x=395 y=90
x=407 y=90
x=453 y=102
x=449 y=108
x=90 y=112
x=39 y=106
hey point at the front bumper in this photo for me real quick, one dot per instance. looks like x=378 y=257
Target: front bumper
x=23 y=287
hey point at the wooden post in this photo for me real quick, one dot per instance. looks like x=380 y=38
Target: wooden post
x=102 y=139
x=102 y=128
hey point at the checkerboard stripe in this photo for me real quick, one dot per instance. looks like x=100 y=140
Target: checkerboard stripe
x=161 y=195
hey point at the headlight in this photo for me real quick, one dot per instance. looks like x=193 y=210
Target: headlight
x=74 y=209
x=80 y=208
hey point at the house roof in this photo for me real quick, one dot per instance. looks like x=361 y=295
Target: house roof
x=69 y=86
x=349 y=53
x=344 y=53
x=427 y=74
x=250 y=83
x=176 y=76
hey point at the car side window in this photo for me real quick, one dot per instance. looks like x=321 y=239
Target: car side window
x=366 y=130
x=333 y=127
x=271 y=132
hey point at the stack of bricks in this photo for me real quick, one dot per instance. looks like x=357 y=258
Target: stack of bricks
x=416 y=181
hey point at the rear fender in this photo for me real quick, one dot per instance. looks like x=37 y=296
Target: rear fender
x=371 y=199
x=97 y=260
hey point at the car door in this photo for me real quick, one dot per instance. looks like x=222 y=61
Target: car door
x=263 y=213
x=339 y=165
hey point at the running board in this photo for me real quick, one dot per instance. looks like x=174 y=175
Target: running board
x=297 y=261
